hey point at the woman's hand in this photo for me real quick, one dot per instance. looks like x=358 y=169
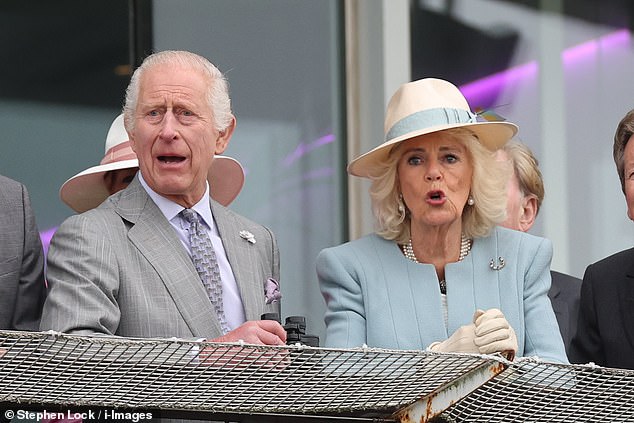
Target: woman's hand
x=462 y=340
x=494 y=334
x=489 y=333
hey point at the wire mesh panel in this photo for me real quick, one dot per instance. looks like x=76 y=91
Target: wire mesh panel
x=532 y=391
x=233 y=379
x=66 y=370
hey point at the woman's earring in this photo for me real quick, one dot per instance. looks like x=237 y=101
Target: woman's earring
x=470 y=201
x=401 y=206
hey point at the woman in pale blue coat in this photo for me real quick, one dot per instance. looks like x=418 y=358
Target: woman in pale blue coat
x=439 y=273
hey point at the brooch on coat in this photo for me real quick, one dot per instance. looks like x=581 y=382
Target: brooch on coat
x=497 y=264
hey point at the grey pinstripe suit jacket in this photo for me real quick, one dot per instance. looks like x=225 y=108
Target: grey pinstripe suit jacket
x=120 y=269
x=22 y=286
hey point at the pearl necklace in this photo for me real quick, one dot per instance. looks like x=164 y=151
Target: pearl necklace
x=465 y=247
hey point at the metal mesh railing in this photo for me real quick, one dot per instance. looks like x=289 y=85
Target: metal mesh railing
x=66 y=370
x=70 y=371
x=530 y=391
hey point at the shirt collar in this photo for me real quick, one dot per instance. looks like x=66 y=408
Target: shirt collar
x=171 y=209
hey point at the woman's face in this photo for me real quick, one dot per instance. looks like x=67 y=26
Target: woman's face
x=628 y=170
x=434 y=175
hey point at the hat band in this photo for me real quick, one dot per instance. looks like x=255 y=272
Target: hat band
x=119 y=152
x=429 y=118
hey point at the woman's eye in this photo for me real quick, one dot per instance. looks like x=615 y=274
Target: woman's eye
x=414 y=160
x=450 y=158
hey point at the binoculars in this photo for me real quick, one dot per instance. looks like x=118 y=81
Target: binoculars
x=295 y=327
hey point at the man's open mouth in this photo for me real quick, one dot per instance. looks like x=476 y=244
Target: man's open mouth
x=171 y=159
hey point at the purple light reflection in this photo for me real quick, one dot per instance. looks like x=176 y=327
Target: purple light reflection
x=324 y=172
x=583 y=51
x=303 y=148
x=484 y=92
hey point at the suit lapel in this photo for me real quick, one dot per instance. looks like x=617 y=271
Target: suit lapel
x=241 y=254
x=157 y=241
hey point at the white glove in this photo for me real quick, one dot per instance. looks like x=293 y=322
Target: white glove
x=493 y=333
x=462 y=340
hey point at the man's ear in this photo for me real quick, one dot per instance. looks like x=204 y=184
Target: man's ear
x=131 y=140
x=529 y=212
x=223 y=139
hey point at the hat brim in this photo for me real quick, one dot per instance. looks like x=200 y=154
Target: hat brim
x=226 y=179
x=492 y=135
x=87 y=189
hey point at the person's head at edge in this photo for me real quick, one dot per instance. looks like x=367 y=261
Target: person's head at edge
x=178 y=116
x=525 y=190
x=116 y=180
x=623 y=152
x=440 y=175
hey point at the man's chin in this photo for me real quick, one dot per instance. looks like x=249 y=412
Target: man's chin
x=182 y=194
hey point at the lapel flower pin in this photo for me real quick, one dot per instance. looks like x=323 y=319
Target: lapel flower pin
x=272 y=291
x=248 y=236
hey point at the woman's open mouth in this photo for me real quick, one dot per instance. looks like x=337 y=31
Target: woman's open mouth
x=436 y=197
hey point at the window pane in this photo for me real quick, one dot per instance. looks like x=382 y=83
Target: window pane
x=282 y=60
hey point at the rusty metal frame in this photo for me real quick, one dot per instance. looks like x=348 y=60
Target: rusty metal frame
x=441 y=399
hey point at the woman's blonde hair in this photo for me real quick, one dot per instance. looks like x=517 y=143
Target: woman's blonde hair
x=488 y=189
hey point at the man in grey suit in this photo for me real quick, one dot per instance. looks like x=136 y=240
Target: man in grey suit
x=125 y=268
x=525 y=195
x=22 y=286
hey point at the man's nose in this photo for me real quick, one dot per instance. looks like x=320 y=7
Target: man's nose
x=169 y=126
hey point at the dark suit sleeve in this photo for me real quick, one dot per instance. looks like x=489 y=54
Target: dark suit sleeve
x=31 y=287
x=586 y=344
x=564 y=295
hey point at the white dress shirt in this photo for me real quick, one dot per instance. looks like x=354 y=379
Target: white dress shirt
x=233 y=307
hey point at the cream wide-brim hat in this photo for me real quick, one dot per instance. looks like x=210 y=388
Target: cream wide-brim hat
x=423 y=107
x=88 y=189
